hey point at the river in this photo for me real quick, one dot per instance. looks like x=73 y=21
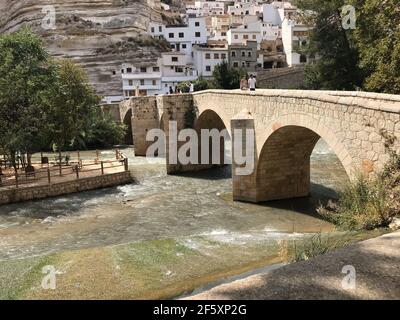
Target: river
x=195 y=212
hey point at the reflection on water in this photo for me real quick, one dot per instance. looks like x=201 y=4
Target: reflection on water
x=161 y=206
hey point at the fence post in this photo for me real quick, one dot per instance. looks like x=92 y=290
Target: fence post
x=79 y=156
x=126 y=164
x=102 y=168
x=48 y=175
x=60 y=169
x=116 y=154
x=77 y=171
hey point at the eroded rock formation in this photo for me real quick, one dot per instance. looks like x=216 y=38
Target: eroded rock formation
x=99 y=34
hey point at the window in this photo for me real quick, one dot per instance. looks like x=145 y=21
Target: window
x=184 y=46
x=216 y=55
x=233 y=53
x=154 y=82
x=181 y=35
x=223 y=55
x=197 y=24
x=236 y=36
x=156 y=69
x=143 y=69
x=243 y=64
x=245 y=36
x=142 y=82
x=248 y=64
x=223 y=34
x=243 y=54
x=249 y=54
x=208 y=68
x=122 y=71
x=174 y=59
x=114 y=72
x=130 y=82
x=128 y=70
x=236 y=64
x=208 y=56
x=303 y=58
x=160 y=28
x=254 y=37
x=152 y=30
x=179 y=69
x=197 y=34
x=170 y=35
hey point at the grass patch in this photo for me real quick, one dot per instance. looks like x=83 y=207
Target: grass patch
x=295 y=250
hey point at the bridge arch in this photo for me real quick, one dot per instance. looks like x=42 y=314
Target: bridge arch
x=127 y=120
x=263 y=133
x=210 y=120
x=283 y=165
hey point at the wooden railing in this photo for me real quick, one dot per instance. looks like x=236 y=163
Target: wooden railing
x=61 y=172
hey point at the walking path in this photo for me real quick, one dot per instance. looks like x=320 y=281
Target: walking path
x=377 y=276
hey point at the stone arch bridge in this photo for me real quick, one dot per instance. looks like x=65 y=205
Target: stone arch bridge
x=287 y=124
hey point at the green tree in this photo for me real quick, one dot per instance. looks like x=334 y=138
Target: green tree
x=226 y=77
x=200 y=84
x=73 y=105
x=25 y=76
x=377 y=36
x=104 y=132
x=337 y=63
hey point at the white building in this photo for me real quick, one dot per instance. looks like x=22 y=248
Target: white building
x=146 y=79
x=294 y=39
x=270 y=32
x=244 y=9
x=219 y=27
x=206 y=8
x=156 y=29
x=171 y=69
x=243 y=33
x=206 y=57
x=183 y=37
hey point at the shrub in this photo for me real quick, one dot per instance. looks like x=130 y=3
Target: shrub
x=368 y=204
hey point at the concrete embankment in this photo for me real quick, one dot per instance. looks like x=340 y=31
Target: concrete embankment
x=367 y=270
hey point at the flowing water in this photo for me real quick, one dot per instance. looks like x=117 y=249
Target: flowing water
x=186 y=208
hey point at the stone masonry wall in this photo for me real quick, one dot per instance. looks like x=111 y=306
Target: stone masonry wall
x=62 y=188
x=284 y=78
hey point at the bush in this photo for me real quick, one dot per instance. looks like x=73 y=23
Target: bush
x=368 y=204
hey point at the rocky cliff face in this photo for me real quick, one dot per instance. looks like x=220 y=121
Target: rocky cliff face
x=99 y=34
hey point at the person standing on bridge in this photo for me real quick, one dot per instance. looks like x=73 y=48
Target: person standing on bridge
x=252 y=83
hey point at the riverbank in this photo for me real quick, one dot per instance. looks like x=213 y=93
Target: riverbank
x=377 y=276
x=154 y=269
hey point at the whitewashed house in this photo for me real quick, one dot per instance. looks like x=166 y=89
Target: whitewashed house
x=294 y=39
x=206 y=57
x=183 y=37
